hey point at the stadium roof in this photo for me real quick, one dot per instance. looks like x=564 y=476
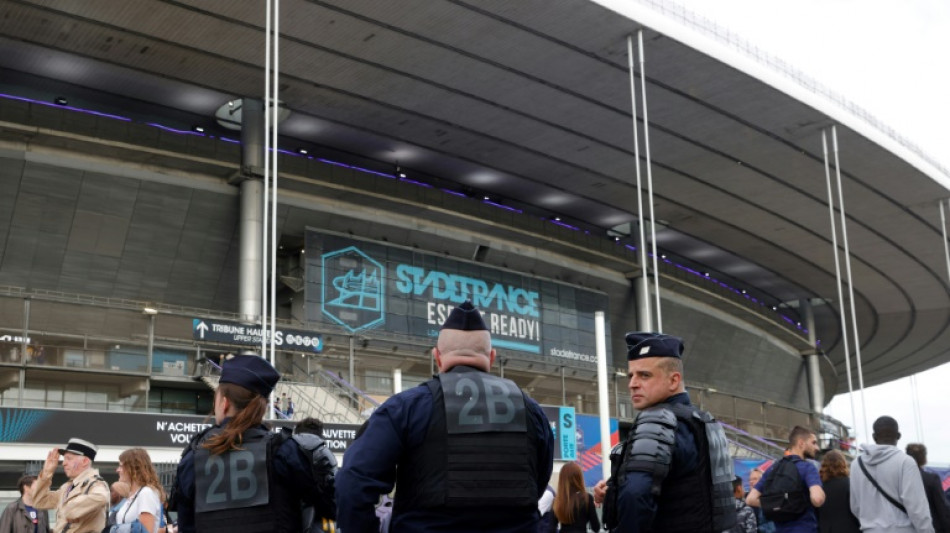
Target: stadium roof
x=530 y=101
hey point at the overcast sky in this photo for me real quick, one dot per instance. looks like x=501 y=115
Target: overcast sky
x=888 y=56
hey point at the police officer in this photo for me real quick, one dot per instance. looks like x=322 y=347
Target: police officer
x=674 y=472
x=466 y=451
x=238 y=476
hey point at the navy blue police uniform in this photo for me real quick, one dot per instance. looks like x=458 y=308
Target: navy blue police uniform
x=259 y=488
x=466 y=451
x=674 y=472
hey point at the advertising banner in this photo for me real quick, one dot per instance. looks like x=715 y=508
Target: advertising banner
x=588 y=446
x=364 y=286
x=53 y=426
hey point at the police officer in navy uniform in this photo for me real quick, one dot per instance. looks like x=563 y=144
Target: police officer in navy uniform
x=466 y=451
x=674 y=471
x=238 y=475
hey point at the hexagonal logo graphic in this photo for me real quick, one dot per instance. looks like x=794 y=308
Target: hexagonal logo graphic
x=354 y=289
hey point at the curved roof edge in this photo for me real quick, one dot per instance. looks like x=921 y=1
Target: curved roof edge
x=646 y=12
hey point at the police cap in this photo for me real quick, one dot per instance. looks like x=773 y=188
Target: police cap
x=466 y=318
x=252 y=372
x=641 y=344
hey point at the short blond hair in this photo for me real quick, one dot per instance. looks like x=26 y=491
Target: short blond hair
x=671 y=365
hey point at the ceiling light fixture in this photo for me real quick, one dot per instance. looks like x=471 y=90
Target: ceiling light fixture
x=198 y=129
x=302 y=151
x=60 y=100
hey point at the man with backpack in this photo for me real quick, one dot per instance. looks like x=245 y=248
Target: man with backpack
x=791 y=489
x=887 y=492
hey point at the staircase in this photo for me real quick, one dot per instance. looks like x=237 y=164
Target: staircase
x=324 y=395
x=743 y=444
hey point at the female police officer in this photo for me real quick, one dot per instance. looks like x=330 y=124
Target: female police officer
x=238 y=476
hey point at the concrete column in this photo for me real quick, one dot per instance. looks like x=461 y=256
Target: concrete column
x=23 y=345
x=397 y=380
x=816 y=387
x=252 y=211
x=149 y=357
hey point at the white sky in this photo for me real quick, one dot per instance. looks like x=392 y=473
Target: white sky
x=888 y=56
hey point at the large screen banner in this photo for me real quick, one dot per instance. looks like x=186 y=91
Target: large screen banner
x=365 y=285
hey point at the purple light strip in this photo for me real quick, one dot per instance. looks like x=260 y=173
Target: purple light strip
x=361 y=169
x=227 y=140
x=454 y=193
x=173 y=130
x=414 y=182
x=70 y=108
x=563 y=225
x=630 y=247
x=502 y=206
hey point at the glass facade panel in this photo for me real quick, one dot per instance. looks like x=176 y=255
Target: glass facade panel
x=379 y=381
x=180 y=401
x=80 y=395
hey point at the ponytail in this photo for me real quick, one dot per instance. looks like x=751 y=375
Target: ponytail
x=250 y=408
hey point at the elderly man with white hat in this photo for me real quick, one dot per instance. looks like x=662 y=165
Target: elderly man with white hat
x=81 y=503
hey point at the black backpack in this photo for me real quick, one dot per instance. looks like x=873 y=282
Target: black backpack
x=783 y=494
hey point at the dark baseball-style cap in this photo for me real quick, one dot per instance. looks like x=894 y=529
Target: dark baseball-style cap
x=80 y=447
x=642 y=344
x=252 y=372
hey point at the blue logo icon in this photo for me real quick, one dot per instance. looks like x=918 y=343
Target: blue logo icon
x=354 y=289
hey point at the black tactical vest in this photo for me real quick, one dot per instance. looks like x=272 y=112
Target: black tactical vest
x=236 y=491
x=477 y=452
x=700 y=500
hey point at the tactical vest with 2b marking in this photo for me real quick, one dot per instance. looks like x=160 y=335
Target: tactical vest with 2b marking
x=236 y=491
x=478 y=450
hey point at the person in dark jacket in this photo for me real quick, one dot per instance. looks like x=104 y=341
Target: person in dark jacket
x=465 y=451
x=673 y=472
x=939 y=511
x=573 y=506
x=835 y=515
x=239 y=476
x=20 y=516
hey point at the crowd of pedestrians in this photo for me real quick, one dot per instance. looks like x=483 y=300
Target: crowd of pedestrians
x=470 y=451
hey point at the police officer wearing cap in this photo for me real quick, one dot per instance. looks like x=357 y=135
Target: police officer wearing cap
x=238 y=475
x=674 y=472
x=466 y=451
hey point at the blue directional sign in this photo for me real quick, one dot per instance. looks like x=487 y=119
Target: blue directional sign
x=226 y=332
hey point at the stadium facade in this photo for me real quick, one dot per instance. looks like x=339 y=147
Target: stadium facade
x=447 y=152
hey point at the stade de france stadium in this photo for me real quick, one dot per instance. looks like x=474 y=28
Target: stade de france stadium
x=430 y=152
